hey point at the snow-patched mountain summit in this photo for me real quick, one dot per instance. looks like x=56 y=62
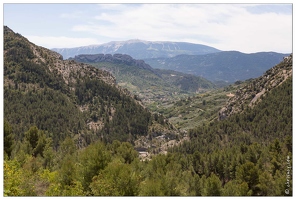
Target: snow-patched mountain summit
x=140 y=49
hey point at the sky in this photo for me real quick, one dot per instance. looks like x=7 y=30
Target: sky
x=247 y=28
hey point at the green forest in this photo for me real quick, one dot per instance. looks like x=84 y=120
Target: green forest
x=242 y=156
x=38 y=96
x=73 y=133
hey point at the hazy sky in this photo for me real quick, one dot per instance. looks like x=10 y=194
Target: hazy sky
x=247 y=28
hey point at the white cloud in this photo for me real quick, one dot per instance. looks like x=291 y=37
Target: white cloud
x=243 y=27
x=114 y=6
x=74 y=15
x=224 y=26
x=61 y=42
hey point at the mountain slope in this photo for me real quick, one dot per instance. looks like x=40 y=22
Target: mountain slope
x=141 y=79
x=196 y=110
x=65 y=98
x=229 y=66
x=251 y=94
x=250 y=151
x=140 y=49
x=247 y=154
x=221 y=103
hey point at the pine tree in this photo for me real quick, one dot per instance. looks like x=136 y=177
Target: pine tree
x=248 y=173
x=91 y=161
x=8 y=139
x=117 y=179
x=32 y=136
x=213 y=186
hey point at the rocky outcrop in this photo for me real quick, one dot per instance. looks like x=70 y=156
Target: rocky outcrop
x=69 y=69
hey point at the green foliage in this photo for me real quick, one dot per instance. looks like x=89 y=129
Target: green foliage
x=67 y=147
x=280 y=187
x=151 y=188
x=235 y=188
x=248 y=173
x=113 y=170
x=266 y=184
x=32 y=136
x=75 y=189
x=67 y=172
x=36 y=141
x=117 y=179
x=42 y=108
x=129 y=119
x=13 y=178
x=91 y=161
x=213 y=186
x=125 y=151
x=8 y=138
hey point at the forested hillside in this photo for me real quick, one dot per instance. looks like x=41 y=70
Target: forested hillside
x=142 y=80
x=69 y=130
x=247 y=154
x=65 y=98
x=249 y=94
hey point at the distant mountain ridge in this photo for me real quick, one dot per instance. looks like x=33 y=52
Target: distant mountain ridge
x=228 y=66
x=116 y=58
x=140 y=49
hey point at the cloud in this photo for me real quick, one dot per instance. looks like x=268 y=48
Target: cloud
x=61 y=42
x=74 y=15
x=224 y=26
x=117 y=7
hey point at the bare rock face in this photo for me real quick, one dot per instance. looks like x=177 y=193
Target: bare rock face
x=222 y=113
x=69 y=69
x=251 y=94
